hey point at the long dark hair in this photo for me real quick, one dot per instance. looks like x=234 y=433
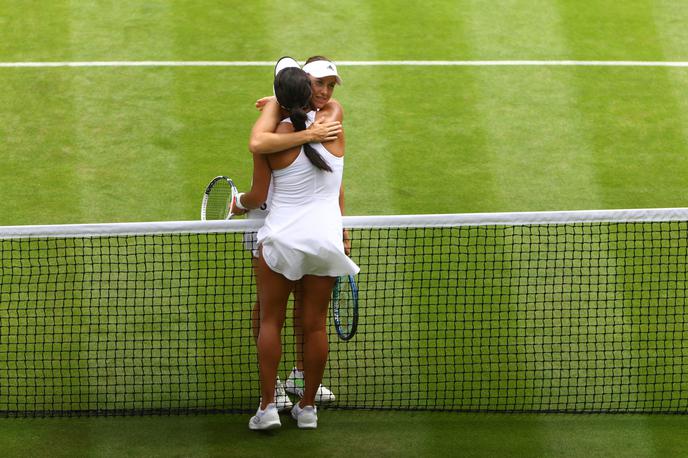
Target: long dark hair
x=293 y=92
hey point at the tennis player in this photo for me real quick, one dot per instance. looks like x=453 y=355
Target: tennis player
x=301 y=240
x=323 y=76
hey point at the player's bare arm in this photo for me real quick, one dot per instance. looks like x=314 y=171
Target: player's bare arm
x=264 y=139
x=260 y=185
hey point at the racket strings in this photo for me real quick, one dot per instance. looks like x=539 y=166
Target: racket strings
x=219 y=199
x=345 y=307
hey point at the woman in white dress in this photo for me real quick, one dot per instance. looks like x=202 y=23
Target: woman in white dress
x=301 y=240
x=327 y=127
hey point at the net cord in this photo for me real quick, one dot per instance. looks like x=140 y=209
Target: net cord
x=436 y=220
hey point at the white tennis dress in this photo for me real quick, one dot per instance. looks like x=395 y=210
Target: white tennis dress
x=302 y=234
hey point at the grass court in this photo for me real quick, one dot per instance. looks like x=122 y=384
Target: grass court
x=119 y=143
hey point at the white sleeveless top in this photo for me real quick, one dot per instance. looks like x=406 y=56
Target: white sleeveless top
x=302 y=234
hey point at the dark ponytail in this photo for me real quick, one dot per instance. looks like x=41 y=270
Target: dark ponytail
x=298 y=119
x=293 y=92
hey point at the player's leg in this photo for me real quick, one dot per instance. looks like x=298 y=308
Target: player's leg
x=316 y=299
x=274 y=294
x=282 y=400
x=295 y=383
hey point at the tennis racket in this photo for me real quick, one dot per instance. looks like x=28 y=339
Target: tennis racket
x=345 y=306
x=217 y=199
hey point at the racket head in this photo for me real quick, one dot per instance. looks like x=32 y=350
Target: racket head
x=345 y=306
x=217 y=198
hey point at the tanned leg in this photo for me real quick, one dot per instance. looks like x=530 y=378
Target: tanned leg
x=316 y=299
x=274 y=294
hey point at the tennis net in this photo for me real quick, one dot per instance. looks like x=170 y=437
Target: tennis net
x=521 y=312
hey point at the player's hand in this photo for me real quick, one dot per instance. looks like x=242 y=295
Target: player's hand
x=260 y=103
x=325 y=131
x=234 y=210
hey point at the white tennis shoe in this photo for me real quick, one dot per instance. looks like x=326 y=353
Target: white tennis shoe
x=306 y=417
x=295 y=384
x=265 y=419
x=282 y=400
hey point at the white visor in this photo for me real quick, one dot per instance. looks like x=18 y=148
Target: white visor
x=322 y=69
x=285 y=62
x=282 y=63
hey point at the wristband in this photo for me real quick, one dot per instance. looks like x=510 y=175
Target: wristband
x=238 y=203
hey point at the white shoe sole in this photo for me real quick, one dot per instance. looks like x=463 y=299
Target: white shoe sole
x=304 y=421
x=268 y=420
x=307 y=425
x=264 y=426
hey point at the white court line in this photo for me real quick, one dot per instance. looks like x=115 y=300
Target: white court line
x=145 y=63
x=372 y=63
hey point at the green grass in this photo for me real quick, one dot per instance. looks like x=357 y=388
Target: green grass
x=343 y=434
x=120 y=144
x=138 y=144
